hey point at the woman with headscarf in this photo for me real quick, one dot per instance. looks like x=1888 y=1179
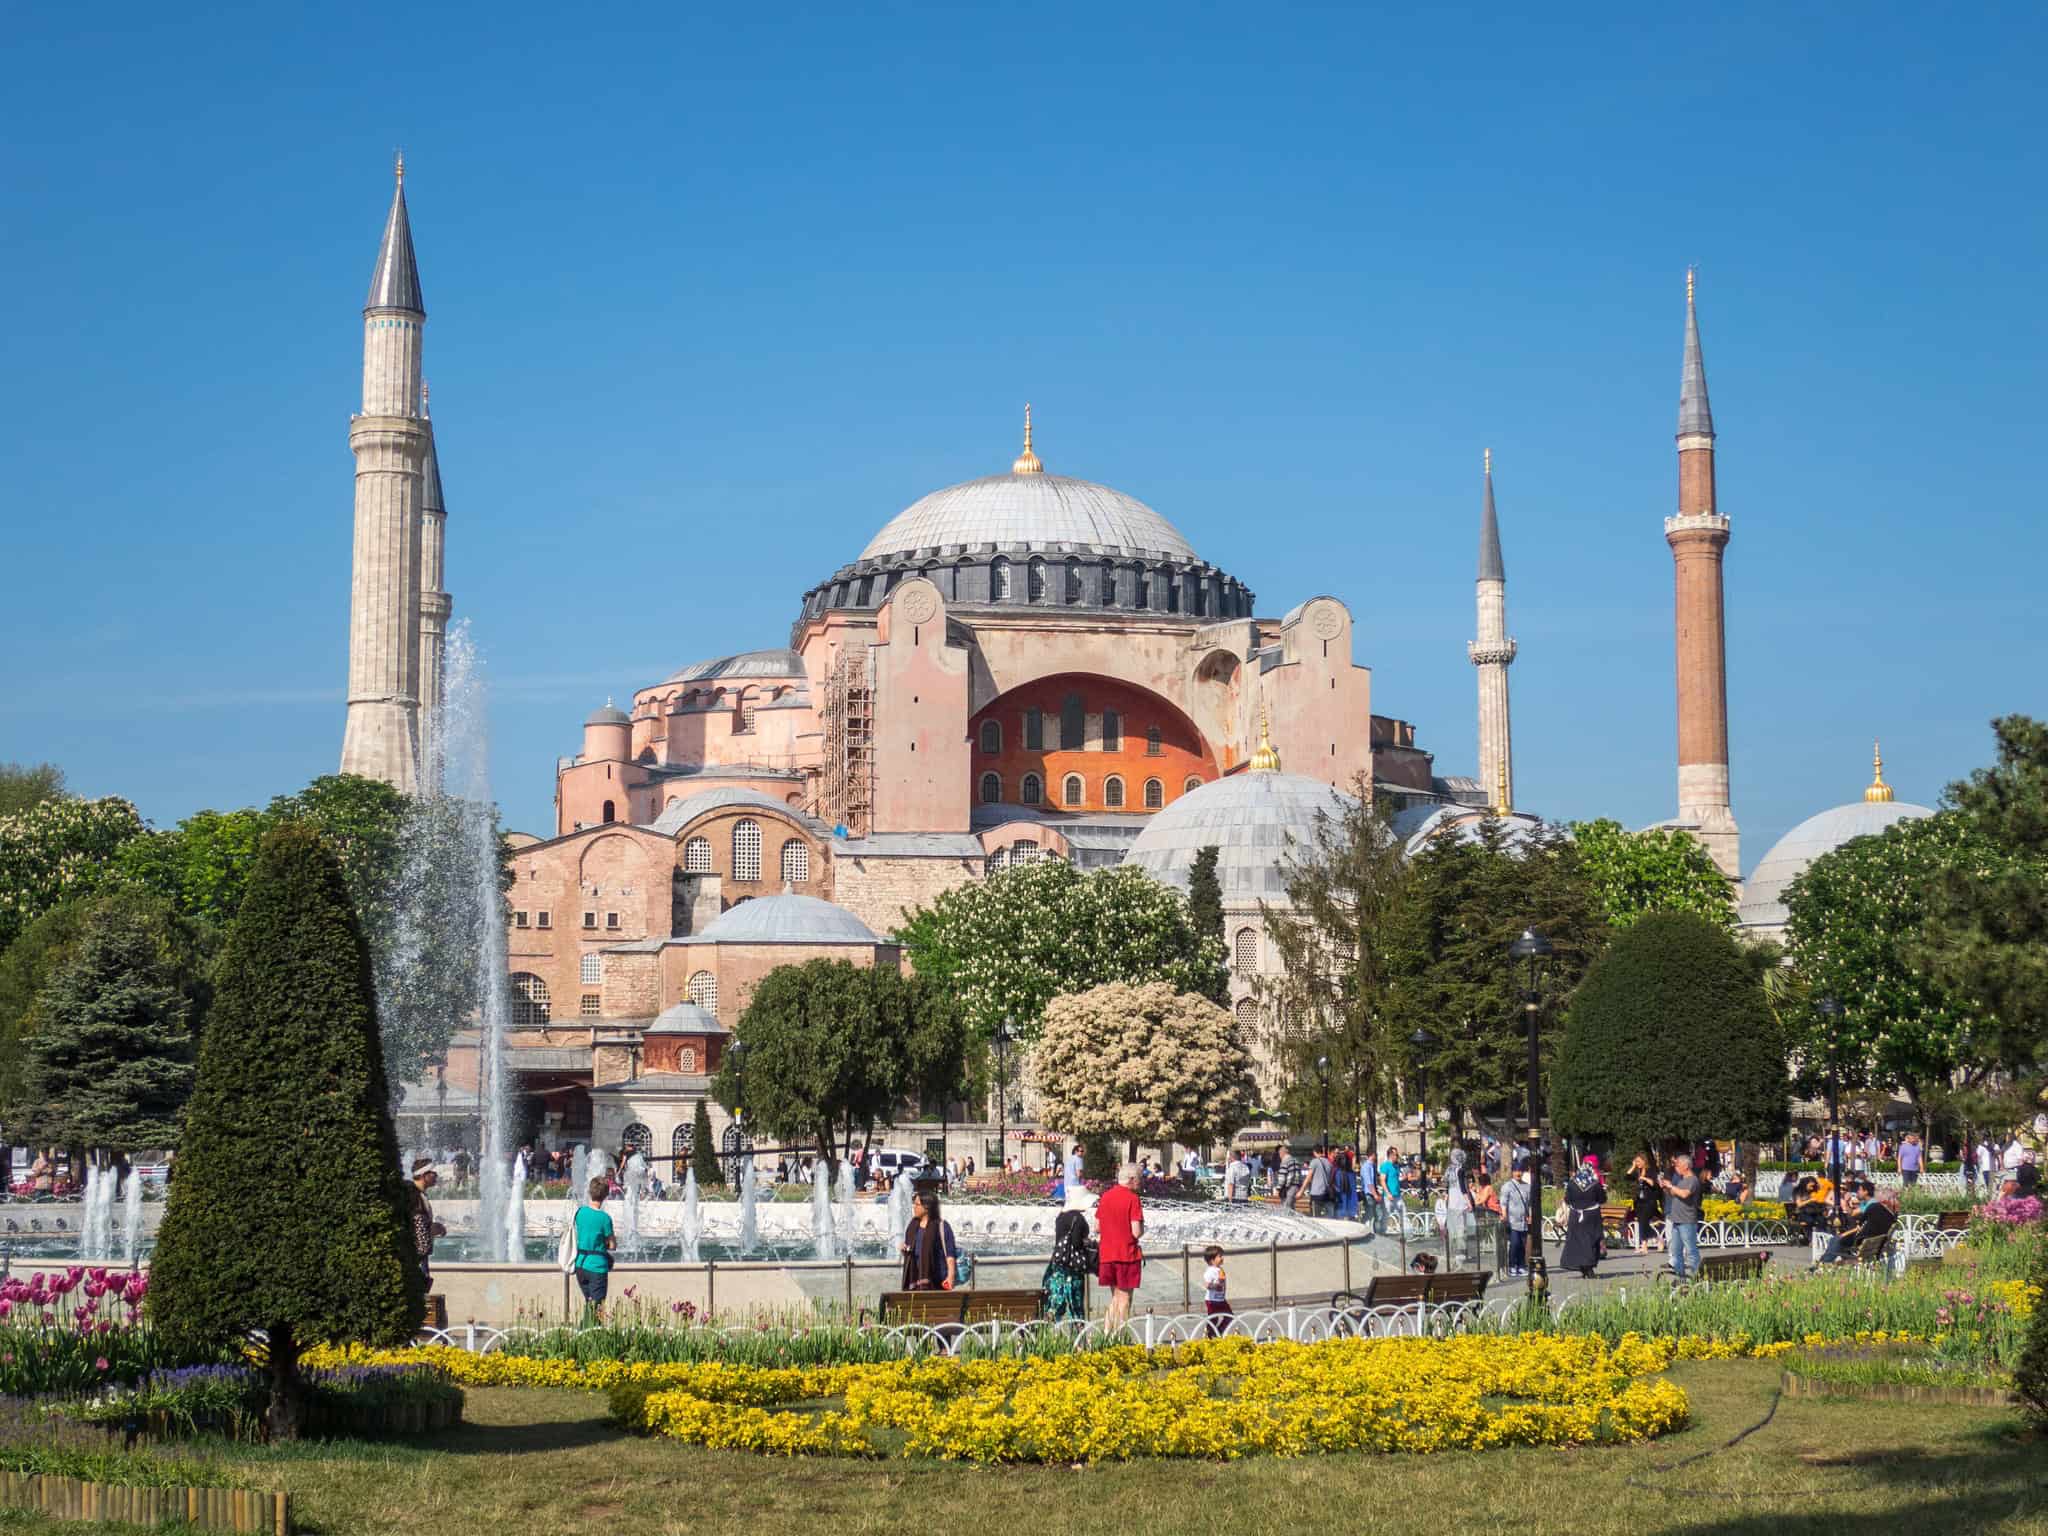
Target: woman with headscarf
x=1584 y=1194
x=1064 y=1287
x=931 y=1256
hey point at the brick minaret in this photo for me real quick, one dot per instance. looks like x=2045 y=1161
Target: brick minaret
x=435 y=604
x=1698 y=535
x=1492 y=653
x=389 y=440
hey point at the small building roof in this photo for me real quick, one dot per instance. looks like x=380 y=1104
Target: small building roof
x=784 y=919
x=686 y=1018
x=675 y=817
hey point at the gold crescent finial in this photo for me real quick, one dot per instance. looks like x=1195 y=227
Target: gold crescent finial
x=1264 y=758
x=1501 y=804
x=1689 y=271
x=1027 y=462
x=1489 y=461
x=1879 y=791
x=400 y=167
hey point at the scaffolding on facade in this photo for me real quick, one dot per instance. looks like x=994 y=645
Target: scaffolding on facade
x=847 y=787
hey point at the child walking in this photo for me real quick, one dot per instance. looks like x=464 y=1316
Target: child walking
x=1215 y=1291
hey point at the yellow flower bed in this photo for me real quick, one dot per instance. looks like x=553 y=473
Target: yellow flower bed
x=1714 y=1208
x=1216 y=1399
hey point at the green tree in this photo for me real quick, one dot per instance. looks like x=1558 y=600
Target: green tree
x=200 y=865
x=1474 y=890
x=1669 y=1036
x=25 y=784
x=1205 y=894
x=1145 y=1063
x=704 y=1150
x=1986 y=936
x=1008 y=945
x=826 y=1051
x=1329 y=998
x=2030 y=1376
x=1660 y=869
x=110 y=1063
x=1856 y=919
x=289 y=1213
x=56 y=850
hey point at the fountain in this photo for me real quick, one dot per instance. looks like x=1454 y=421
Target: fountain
x=750 y=1234
x=899 y=1207
x=636 y=1177
x=579 y=1174
x=693 y=1218
x=515 y=1212
x=96 y=1231
x=131 y=1220
x=849 y=1219
x=822 y=1244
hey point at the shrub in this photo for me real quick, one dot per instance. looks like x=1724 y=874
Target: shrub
x=288 y=1214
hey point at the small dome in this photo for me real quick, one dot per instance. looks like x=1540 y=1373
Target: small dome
x=1763 y=896
x=685 y=1018
x=785 y=919
x=609 y=715
x=771 y=663
x=1254 y=819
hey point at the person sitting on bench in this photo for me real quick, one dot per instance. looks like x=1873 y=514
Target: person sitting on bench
x=1875 y=1218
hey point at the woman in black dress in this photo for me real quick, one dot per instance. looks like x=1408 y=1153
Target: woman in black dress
x=1647 y=1206
x=1584 y=1194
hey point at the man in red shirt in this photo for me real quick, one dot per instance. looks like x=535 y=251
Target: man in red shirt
x=1119 y=1223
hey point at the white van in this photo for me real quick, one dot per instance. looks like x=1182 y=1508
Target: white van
x=890 y=1161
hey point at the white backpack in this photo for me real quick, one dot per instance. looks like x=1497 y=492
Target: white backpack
x=566 y=1256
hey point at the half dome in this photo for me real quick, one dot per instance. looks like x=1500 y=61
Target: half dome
x=785 y=919
x=1037 y=509
x=1763 y=896
x=1253 y=819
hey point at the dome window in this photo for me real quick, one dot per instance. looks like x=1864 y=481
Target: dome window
x=996 y=862
x=1034 y=729
x=1113 y=793
x=999 y=580
x=704 y=992
x=697 y=856
x=796 y=862
x=1112 y=731
x=1155 y=744
x=1034 y=581
x=991 y=789
x=1193 y=783
x=1155 y=794
x=992 y=736
x=1073 y=581
x=1033 y=791
x=1071 y=792
x=746 y=849
x=1244 y=955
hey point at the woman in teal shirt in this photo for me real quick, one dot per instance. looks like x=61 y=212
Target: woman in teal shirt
x=594 y=1244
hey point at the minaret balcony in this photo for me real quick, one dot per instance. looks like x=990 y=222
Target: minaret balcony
x=1490 y=655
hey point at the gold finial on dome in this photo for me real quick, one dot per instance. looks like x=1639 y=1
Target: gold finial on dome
x=400 y=167
x=1879 y=791
x=1502 y=805
x=1027 y=462
x=1489 y=461
x=1689 y=271
x=1265 y=759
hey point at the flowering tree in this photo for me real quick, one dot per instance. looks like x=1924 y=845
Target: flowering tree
x=1856 y=912
x=1146 y=1063
x=1008 y=945
x=1660 y=869
x=55 y=850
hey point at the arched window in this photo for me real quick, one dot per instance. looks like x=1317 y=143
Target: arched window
x=1024 y=851
x=1073 y=723
x=746 y=723
x=1155 y=745
x=610 y=815
x=1155 y=794
x=1071 y=791
x=796 y=861
x=680 y=1144
x=999 y=580
x=529 y=998
x=704 y=992
x=1141 y=596
x=746 y=849
x=1113 y=792
x=1248 y=1017
x=1073 y=581
x=1112 y=731
x=991 y=735
x=996 y=862
x=636 y=1138
x=697 y=856
x=1244 y=954
x=1034 y=581
x=1191 y=785
x=1033 y=791
x=1172 y=591
x=991 y=789
x=1034 y=729
x=686 y=1060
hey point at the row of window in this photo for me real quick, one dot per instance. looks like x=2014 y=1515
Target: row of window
x=546 y=919
x=638 y=1138
x=1073 y=729
x=532 y=1005
x=1074 y=790
x=746 y=855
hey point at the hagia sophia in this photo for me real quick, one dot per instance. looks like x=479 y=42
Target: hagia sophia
x=1028 y=665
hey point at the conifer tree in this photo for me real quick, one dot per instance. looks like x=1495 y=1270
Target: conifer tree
x=288 y=1214
x=1205 y=894
x=704 y=1151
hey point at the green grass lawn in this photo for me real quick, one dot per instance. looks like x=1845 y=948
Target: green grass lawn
x=541 y=1463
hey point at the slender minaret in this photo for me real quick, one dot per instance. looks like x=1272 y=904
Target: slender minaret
x=435 y=604
x=389 y=439
x=1697 y=536
x=1493 y=653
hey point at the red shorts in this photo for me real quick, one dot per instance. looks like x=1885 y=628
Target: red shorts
x=1119 y=1274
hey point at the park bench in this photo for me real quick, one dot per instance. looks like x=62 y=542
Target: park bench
x=936 y=1309
x=1746 y=1265
x=1951 y=1221
x=1871 y=1250
x=1461 y=1288
x=1614 y=1221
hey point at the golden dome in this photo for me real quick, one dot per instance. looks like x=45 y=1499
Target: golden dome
x=1027 y=462
x=1265 y=759
x=1879 y=791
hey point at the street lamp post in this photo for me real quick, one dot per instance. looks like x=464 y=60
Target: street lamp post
x=1534 y=948
x=1830 y=1009
x=1002 y=1094
x=1323 y=1076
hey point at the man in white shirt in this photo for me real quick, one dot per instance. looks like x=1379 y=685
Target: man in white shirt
x=1191 y=1169
x=1072 y=1170
x=2015 y=1153
x=1985 y=1159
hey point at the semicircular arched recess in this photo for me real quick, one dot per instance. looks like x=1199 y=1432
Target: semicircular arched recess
x=1103 y=730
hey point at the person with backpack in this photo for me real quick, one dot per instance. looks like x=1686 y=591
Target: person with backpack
x=1514 y=1210
x=592 y=1232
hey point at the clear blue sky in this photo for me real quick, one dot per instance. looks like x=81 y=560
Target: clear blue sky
x=712 y=296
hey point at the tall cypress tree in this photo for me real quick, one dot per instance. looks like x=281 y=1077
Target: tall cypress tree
x=703 y=1151
x=288 y=1213
x=1205 y=894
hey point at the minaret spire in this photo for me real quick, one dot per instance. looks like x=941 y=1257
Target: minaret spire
x=1492 y=653
x=435 y=603
x=390 y=439
x=1698 y=536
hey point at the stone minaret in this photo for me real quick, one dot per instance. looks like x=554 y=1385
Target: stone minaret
x=435 y=604
x=389 y=439
x=1492 y=653
x=1697 y=536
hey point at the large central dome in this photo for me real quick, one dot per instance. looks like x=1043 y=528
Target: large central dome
x=1028 y=506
